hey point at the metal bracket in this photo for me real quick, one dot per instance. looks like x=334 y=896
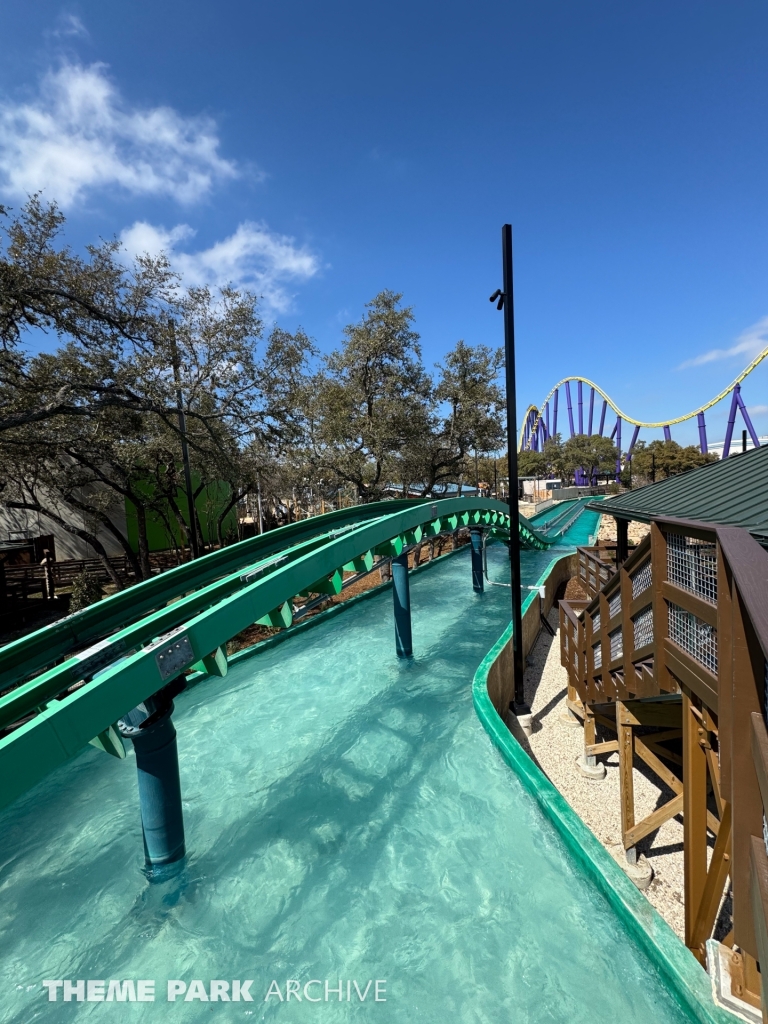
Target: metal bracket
x=174 y=654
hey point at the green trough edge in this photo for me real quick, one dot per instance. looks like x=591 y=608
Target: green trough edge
x=689 y=982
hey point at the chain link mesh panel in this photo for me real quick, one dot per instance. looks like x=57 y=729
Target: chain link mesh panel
x=597 y=652
x=642 y=579
x=696 y=637
x=616 y=644
x=614 y=605
x=692 y=565
x=643 y=627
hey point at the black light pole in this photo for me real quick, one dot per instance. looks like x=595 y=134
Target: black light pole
x=184 y=448
x=506 y=302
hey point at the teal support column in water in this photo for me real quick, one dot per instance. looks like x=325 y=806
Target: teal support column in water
x=401 y=593
x=476 y=536
x=153 y=735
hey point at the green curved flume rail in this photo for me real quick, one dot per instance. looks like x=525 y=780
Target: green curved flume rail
x=128 y=646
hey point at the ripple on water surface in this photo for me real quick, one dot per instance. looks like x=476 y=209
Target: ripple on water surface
x=347 y=817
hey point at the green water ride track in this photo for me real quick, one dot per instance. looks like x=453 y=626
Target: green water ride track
x=69 y=683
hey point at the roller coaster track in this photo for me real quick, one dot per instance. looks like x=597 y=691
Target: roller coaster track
x=536 y=425
x=69 y=683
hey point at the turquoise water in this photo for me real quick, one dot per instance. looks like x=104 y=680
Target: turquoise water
x=347 y=818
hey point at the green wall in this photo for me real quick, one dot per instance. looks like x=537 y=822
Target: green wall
x=162 y=528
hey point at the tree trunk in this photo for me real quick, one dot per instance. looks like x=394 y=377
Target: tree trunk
x=237 y=495
x=184 y=528
x=141 y=529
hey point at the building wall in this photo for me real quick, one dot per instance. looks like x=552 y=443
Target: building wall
x=16 y=524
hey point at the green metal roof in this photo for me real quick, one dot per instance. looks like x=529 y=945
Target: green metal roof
x=732 y=492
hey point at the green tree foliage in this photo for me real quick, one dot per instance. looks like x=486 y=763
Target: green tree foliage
x=86 y=590
x=593 y=454
x=533 y=464
x=663 y=459
x=92 y=429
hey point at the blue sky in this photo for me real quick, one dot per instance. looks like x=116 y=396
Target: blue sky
x=321 y=152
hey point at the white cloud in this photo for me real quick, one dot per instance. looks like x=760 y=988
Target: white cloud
x=749 y=343
x=78 y=133
x=69 y=25
x=253 y=257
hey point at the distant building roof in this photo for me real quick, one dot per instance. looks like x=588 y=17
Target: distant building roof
x=732 y=492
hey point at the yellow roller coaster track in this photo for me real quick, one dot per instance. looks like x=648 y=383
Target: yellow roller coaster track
x=628 y=419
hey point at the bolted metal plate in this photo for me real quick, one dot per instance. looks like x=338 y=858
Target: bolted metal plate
x=173 y=655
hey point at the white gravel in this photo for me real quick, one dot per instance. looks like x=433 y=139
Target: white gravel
x=556 y=745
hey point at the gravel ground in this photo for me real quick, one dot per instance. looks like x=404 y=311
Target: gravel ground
x=555 y=745
x=607 y=530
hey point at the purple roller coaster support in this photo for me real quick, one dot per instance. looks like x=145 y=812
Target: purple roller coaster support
x=745 y=414
x=613 y=432
x=632 y=442
x=570 y=406
x=542 y=434
x=667 y=434
x=591 y=409
x=602 y=417
x=618 y=448
x=581 y=408
x=554 y=412
x=702 y=432
x=546 y=416
x=731 y=421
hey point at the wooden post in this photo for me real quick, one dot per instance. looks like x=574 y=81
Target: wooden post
x=622 y=541
x=748 y=683
x=660 y=615
x=724 y=672
x=627 y=633
x=626 y=779
x=694 y=819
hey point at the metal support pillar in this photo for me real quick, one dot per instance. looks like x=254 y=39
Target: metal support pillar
x=581 y=406
x=747 y=420
x=570 y=406
x=591 y=409
x=546 y=417
x=554 y=411
x=667 y=433
x=618 y=449
x=731 y=422
x=476 y=537
x=702 y=433
x=151 y=730
x=635 y=432
x=401 y=594
x=602 y=417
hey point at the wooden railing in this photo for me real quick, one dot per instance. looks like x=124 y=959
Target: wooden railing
x=20 y=581
x=595 y=567
x=677 y=641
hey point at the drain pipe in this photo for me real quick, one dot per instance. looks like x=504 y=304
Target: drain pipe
x=150 y=728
